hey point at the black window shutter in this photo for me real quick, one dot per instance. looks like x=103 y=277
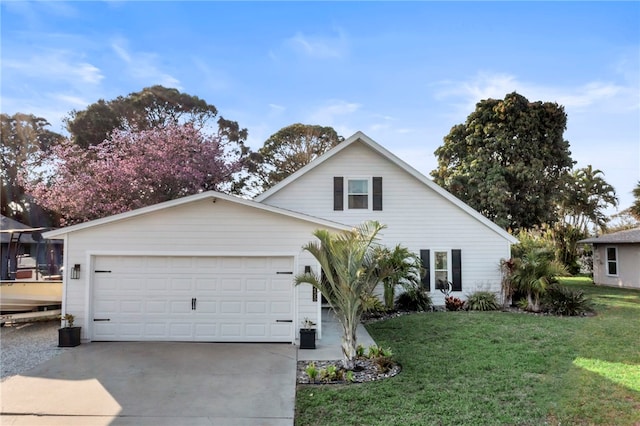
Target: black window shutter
x=456 y=269
x=426 y=279
x=377 y=193
x=338 y=193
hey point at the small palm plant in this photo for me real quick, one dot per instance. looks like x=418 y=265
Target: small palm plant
x=351 y=273
x=400 y=267
x=533 y=273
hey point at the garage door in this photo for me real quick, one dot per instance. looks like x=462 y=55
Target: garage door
x=210 y=299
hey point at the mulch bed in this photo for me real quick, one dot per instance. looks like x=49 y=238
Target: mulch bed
x=366 y=370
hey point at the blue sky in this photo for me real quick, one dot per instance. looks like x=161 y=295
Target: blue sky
x=403 y=73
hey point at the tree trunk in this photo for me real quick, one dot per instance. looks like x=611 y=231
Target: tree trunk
x=349 y=344
x=389 y=295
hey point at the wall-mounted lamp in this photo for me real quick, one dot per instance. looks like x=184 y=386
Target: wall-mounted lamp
x=75 y=272
x=314 y=291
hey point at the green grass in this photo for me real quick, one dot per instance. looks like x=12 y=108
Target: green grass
x=498 y=368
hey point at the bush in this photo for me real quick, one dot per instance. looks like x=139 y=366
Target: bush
x=453 y=303
x=373 y=305
x=483 y=301
x=414 y=299
x=560 y=300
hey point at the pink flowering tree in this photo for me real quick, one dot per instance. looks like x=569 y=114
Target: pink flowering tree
x=129 y=170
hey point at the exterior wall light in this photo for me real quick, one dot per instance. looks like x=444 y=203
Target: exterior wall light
x=75 y=272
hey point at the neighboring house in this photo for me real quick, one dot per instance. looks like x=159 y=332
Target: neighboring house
x=214 y=267
x=616 y=258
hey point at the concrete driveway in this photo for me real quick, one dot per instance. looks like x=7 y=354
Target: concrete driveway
x=122 y=383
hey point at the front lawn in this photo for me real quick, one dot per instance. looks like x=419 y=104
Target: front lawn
x=498 y=368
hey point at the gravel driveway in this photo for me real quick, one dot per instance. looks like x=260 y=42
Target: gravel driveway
x=27 y=345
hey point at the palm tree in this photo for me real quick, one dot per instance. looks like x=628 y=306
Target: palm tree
x=401 y=267
x=635 y=207
x=350 y=274
x=533 y=273
x=587 y=195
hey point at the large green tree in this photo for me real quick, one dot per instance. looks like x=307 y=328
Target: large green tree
x=286 y=151
x=23 y=138
x=152 y=107
x=507 y=160
x=351 y=271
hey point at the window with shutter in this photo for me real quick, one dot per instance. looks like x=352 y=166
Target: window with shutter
x=456 y=270
x=338 y=193
x=447 y=268
x=425 y=256
x=357 y=193
x=377 y=193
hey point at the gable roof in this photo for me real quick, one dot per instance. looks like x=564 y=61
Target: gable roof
x=60 y=233
x=629 y=236
x=362 y=138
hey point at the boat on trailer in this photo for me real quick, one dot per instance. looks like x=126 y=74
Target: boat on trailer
x=31 y=291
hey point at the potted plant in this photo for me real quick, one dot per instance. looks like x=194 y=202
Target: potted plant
x=308 y=334
x=69 y=336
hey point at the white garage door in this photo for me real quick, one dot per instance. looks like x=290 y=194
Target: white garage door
x=209 y=299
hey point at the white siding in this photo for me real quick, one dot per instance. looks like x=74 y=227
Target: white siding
x=199 y=228
x=415 y=215
x=628 y=266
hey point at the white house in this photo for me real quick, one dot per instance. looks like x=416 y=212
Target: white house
x=214 y=267
x=616 y=258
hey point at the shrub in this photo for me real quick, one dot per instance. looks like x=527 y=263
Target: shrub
x=560 y=300
x=312 y=372
x=349 y=376
x=414 y=299
x=373 y=305
x=482 y=301
x=453 y=303
x=374 y=352
x=331 y=374
x=384 y=363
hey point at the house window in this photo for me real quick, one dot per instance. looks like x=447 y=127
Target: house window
x=441 y=269
x=445 y=267
x=358 y=193
x=612 y=261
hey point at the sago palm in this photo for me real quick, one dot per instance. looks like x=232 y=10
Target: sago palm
x=401 y=267
x=350 y=274
x=533 y=273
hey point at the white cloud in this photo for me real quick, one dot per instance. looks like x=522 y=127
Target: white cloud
x=486 y=85
x=212 y=78
x=321 y=47
x=327 y=114
x=59 y=65
x=142 y=65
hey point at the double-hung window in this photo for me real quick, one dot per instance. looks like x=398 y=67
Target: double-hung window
x=358 y=193
x=441 y=269
x=612 y=261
